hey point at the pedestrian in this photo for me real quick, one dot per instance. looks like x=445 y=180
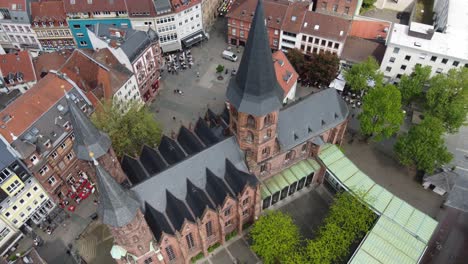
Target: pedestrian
x=174 y=118
x=198 y=74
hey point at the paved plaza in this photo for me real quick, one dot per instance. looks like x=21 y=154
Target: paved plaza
x=199 y=93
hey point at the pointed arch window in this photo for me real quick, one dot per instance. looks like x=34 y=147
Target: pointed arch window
x=268 y=134
x=249 y=137
x=268 y=120
x=251 y=121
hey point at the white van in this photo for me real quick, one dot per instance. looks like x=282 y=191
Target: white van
x=229 y=55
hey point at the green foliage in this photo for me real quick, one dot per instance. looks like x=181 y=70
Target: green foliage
x=231 y=235
x=447 y=98
x=381 y=114
x=423 y=146
x=220 y=68
x=129 y=131
x=348 y=220
x=322 y=68
x=359 y=75
x=246 y=225
x=274 y=237
x=197 y=257
x=213 y=247
x=411 y=87
x=297 y=60
x=368 y=3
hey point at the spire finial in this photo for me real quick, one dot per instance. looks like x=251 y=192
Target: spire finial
x=64 y=90
x=13 y=136
x=91 y=155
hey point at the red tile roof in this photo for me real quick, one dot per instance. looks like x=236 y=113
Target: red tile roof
x=329 y=27
x=48 y=11
x=15 y=63
x=50 y=61
x=141 y=8
x=179 y=6
x=29 y=107
x=274 y=11
x=357 y=50
x=369 y=29
x=294 y=17
x=95 y=6
x=284 y=69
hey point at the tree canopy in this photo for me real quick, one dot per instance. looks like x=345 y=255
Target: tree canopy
x=361 y=74
x=423 y=146
x=275 y=236
x=381 y=114
x=347 y=221
x=411 y=86
x=129 y=131
x=297 y=60
x=322 y=68
x=447 y=98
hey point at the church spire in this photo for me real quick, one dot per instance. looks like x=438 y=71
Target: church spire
x=255 y=89
x=87 y=137
x=117 y=206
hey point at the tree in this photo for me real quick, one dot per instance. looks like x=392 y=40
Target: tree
x=411 y=87
x=297 y=60
x=347 y=221
x=362 y=74
x=322 y=68
x=381 y=114
x=423 y=146
x=219 y=68
x=447 y=98
x=368 y=3
x=275 y=236
x=129 y=131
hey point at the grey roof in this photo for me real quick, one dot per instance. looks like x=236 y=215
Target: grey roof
x=6 y=158
x=255 y=89
x=309 y=117
x=458 y=196
x=162 y=6
x=117 y=206
x=8 y=98
x=444 y=180
x=194 y=168
x=87 y=137
x=132 y=43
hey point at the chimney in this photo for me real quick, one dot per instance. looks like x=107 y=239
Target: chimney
x=311 y=5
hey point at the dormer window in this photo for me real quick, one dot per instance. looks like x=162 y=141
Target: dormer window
x=44 y=170
x=61 y=23
x=47 y=143
x=51 y=24
x=36 y=24
x=44 y=24
x=19 y=79
x=34 y=159
x=66 y=125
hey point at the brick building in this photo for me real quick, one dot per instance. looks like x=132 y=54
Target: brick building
x=37 y=126
x=290 y=25
x=345 y=8
x=50 y=24
x=207 y=181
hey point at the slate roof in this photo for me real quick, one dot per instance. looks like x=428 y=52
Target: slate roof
x=204 y=133
x=133 y=169
x=170 y=150
x=189 y=142
x=309 y=117
x=6 y=158
x=117 y=206
x=87 y=137
x=132 y=42
x=162 y=6
x=254 y=89
x=152 y=160
x=158 y=222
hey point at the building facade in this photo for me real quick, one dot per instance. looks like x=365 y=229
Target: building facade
x=139 y=51
x=442 y=47
x=291 y=25
x=15 y=24
x=84 y=14
x=345 y=8
x=50 y=24
x=209 y=12
x=22 y=198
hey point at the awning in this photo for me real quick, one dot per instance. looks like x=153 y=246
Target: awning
x=272 y=186
x=193 y=39
x=289 y=176
x=280 y=181
x=265 y=192
x=170 y=46
x=299 y=172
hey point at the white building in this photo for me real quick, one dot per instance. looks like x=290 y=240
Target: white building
x=15 y=26
x=442 y=46
x=179 y=23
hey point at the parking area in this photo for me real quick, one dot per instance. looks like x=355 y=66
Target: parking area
x=199 y=84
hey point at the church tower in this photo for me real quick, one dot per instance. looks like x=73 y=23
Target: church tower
x=89 y=139
x=118 y=208
x=255 y=96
